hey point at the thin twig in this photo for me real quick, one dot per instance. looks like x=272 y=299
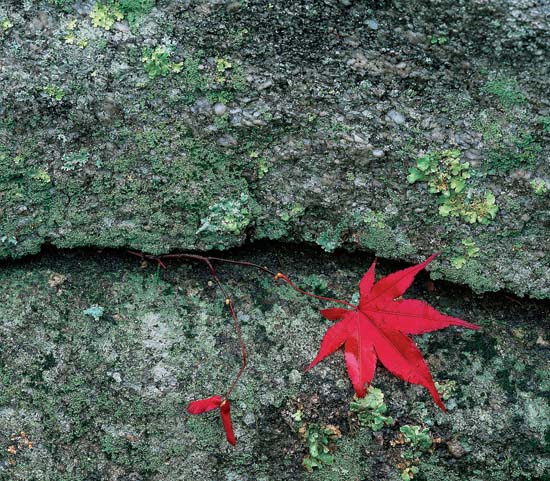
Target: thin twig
x=209 y=262
x=305 y=293
x=228 y=302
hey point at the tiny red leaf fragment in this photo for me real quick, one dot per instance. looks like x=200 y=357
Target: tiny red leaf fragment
x=225 y=412
x=204 y=405
x=378 y=327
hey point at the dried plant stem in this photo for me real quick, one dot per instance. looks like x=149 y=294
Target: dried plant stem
x=209 y=263
x=279 y=275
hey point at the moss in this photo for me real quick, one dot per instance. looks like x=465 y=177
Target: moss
x=384 y=241
x=105 y=13
x=515 y=152
x=157 y=63
x=314 y=150
x=506 y=91
x=178 y=184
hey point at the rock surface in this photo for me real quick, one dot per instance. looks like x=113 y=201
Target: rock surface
x=100 y=355
x=196 y=125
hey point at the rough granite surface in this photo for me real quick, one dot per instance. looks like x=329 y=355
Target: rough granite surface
x=185 y=125
x=100 y=354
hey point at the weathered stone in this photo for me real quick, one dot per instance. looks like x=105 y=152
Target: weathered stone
x=108 y=139
x=105 y=398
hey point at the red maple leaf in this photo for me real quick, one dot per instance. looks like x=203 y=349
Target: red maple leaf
x=378 y=327
x=215 y=402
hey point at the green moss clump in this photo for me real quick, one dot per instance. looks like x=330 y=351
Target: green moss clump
x=157 y=63
x=105 y=13
x=320 y=445
x=507 y=92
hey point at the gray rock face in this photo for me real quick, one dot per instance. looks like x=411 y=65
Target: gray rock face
x=200 y=125
x=105 y=398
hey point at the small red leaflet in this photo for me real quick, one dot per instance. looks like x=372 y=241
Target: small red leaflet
x=215 y=402
x=378 y=328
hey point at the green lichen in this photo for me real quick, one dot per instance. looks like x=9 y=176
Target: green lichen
x=320 y=442
x=442 y=171
x=375 y=219
x=447 y=176
x=75 y=160
x=417 y=441
x=331 y=238
x=54 y=92
x=104 y=15
x=5 y=24
x=95 y=311
x=439 y=39
x=479 y=209
x=72 y=37
x=157 y=63
x=539 y=186
x=295 y=211
x=263 y=167
x=467 y=250
x=228 y=216
x=371 y=409
x=445 y=389
x=42 y=176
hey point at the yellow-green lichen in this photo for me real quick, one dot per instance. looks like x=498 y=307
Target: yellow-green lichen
x=447 y=176
x=371 y=409
x=467 y=250
x=104 y=15
x=157 y=63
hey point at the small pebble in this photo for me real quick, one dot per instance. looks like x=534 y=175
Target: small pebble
x=372 y=24
x=220 y=109
x=396 y=117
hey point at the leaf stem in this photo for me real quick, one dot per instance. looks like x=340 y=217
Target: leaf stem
x=279 y=275
x=228 y=302
x=209 y=263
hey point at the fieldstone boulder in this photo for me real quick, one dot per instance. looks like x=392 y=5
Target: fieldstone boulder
x=398 y=128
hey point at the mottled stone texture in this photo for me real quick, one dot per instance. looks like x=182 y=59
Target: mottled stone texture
x=185 y=125
x=104 y=398
x=176 y=125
